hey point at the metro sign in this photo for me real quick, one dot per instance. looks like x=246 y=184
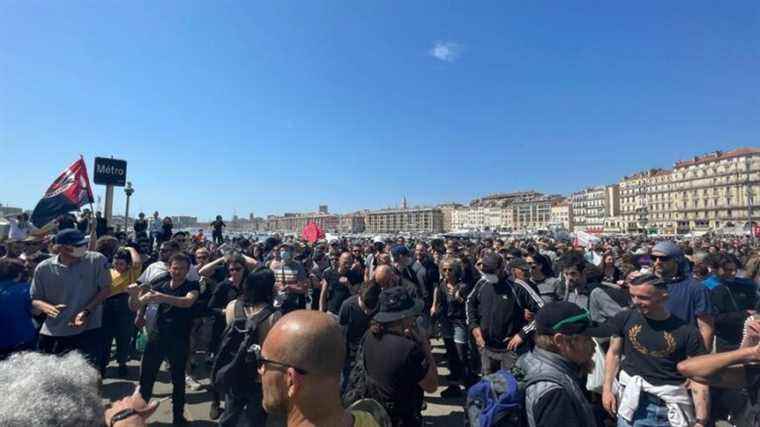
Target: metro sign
x=110 y=171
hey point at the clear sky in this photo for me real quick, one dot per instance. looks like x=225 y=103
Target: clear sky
x=279 y=106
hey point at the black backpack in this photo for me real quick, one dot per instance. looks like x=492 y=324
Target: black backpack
x=235 y=366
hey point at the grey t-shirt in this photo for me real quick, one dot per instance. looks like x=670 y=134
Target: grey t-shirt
x=75 y=286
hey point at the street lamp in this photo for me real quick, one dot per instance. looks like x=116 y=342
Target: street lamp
x=128 y=190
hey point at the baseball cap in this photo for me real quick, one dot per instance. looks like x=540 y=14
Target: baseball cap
x=399 y=250
x=70 y=237
x=519 y=263
x=562 y=317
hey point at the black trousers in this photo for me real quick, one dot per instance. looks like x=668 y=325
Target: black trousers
x=175 y=348
x=217 y=238
x=88 y=342
x=117 y=324
x=244 y=409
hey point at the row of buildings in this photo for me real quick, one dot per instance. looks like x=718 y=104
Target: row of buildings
x=707 y=192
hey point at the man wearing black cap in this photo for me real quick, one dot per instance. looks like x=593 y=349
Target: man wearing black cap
x=69 y=288
x=402 y=262
x=496 y=316
x=556 y=369
x=649 y=390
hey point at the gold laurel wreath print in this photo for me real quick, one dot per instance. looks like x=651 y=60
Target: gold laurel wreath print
x=670 y=343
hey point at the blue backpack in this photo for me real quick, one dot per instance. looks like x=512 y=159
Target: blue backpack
x=497 y=400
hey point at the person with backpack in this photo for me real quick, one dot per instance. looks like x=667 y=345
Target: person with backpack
x=249 y=319
x=237 y=265
x=556 y=369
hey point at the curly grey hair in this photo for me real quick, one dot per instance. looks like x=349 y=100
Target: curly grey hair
x=44 y=390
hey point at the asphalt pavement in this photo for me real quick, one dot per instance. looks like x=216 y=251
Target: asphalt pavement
x=440 y=412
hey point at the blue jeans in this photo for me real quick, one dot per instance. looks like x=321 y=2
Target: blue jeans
x=650 y=413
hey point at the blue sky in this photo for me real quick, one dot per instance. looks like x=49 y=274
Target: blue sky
x=279 y=106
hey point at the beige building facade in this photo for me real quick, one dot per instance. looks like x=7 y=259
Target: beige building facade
x=716 y=190
x=415 y=220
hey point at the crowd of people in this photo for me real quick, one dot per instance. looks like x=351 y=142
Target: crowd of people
x=627 y=331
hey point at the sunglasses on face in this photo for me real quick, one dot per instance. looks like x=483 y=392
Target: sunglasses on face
x=261 y=362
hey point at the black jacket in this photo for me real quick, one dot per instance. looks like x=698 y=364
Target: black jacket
x=731 y=300
x=498 y=310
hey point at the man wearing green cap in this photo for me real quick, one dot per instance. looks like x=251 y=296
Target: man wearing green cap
x=556 y=369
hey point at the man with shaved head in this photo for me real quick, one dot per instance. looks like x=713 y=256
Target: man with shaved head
x=300 y=366
x=338 y=284
x=386 y=277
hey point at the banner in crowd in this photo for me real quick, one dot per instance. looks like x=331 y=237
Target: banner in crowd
x=70 y=191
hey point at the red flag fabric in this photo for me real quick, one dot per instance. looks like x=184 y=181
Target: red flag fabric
x=312 y=232
x=70 y=191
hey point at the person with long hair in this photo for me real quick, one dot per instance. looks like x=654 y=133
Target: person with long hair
x=224 y=292
x=450 y=310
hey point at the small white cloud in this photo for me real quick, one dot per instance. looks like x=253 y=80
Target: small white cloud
x=446 y=51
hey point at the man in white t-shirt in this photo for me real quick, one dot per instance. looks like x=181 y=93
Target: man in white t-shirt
x=21 y=227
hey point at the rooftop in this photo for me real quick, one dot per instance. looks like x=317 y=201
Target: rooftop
x=717 y=155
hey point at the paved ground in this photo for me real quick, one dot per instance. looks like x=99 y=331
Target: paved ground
x=440 y=412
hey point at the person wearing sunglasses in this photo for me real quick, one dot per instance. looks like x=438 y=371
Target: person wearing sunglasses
x=302 y=388
x=556 y=369
x=448 y=310
x=644 y=387
x=688 y=299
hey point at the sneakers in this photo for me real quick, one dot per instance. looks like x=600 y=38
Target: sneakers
x=192 y=383
x=451 y=392
x=214 y=413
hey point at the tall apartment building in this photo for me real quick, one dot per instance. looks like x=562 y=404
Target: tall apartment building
x=658 y=209
x=716 y=190
x=594 y=207
x=533 y=214
x=351 y=223
x=424 y=220
x=448 y=209
x=562 y=216
x=589 y=209
x=634 y=203
x=504 y=199
x=295 y=223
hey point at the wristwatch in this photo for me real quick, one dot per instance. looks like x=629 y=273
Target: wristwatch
x=701 y=421
x=122 y=415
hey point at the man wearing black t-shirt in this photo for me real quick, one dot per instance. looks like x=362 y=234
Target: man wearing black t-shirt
x=168 y=336
x=218 y=225
x=354 y=316
x=141 y=227
x=649 y=389
x=338 y=284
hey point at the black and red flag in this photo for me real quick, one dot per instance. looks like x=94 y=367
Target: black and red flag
x=70 y=191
